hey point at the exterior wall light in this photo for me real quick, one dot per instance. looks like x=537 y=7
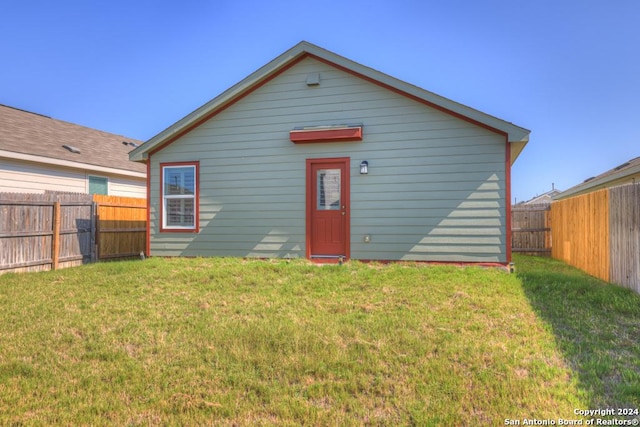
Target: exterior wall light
x=364 y=167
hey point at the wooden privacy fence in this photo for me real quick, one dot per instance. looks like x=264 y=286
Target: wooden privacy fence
x=57 y=230
x=42 y=231
x=531 y=229
x=624 y=236
x=121 y=226
x=599 y=233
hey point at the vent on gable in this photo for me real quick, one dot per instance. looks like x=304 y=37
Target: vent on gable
x=313 y=79
x=71 y=148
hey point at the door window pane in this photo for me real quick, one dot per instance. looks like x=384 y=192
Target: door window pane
x=328 y=182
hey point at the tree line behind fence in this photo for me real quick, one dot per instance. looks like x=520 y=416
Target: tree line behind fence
x=57 y=230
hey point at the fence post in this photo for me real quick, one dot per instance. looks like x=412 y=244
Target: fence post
x=94 y=232
x=55 y=242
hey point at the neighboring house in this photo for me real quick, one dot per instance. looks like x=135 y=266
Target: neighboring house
x=542 y=199
x=316 y=156
x=38 y=154
x=626 y=173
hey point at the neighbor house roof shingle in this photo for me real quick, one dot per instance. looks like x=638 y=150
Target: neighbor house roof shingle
x=626 y=172
x=30 y=136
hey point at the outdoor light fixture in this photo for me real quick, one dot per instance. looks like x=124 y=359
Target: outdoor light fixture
x=364 y=167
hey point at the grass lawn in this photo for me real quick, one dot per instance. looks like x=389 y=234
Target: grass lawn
x=237 y=342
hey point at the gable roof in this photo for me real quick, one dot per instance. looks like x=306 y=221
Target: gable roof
x=517 y=136
x=621 y=174
x=33 y=137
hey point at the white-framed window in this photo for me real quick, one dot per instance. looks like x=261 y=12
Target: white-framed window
x=180 y=196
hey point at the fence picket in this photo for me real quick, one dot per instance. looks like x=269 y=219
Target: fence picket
x=55 y=245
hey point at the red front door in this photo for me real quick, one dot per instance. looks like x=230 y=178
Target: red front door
x=328 y=209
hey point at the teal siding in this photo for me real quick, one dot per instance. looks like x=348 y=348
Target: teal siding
x=435 y=189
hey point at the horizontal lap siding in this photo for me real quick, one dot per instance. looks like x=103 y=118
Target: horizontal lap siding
x=125 y=187
x=27 y=177
x=435 y=188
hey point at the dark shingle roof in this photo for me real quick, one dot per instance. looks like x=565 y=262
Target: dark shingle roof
x=37 y=135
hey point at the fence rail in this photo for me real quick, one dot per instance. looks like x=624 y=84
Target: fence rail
x=57 y=230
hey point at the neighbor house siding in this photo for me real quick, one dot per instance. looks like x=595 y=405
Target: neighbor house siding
x=17 y=176
x=435 y=189
x=127 y=187
x=25 y=177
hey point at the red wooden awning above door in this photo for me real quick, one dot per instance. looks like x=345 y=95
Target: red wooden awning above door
x=326 y=134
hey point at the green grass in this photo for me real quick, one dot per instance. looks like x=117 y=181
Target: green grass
x=596 y=325
x=236 y=342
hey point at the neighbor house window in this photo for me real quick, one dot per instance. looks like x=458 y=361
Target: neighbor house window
x=180 y=196
x=98 y=185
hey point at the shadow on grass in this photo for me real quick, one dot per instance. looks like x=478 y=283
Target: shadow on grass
x=596 y=325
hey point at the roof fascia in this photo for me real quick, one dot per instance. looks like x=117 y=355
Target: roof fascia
x=69 y=164
x=517 y=136
x=515 y=133
x=220 y=102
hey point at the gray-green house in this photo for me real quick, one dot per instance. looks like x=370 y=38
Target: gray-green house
x=316 y=156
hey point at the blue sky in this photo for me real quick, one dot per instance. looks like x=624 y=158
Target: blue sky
x=568 y=70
